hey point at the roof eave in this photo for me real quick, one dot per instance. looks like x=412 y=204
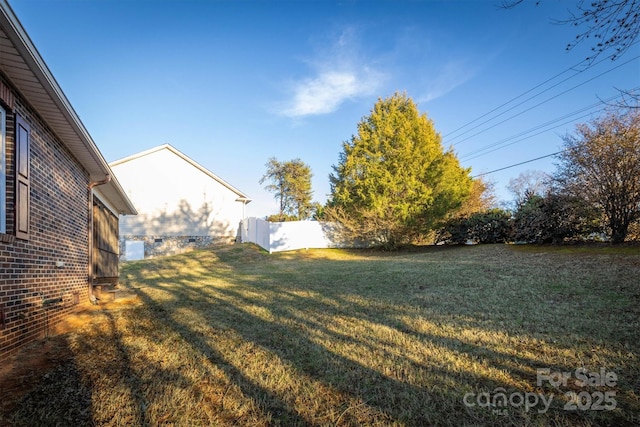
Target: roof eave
x=39 y=68
x=79 y=141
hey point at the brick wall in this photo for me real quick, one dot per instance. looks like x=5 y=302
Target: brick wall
x=42 y=279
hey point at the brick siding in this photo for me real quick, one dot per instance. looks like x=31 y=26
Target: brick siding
x=42 y=279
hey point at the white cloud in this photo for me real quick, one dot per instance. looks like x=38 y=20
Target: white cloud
x=341 y=71
x=340 y=74
x=326 y=92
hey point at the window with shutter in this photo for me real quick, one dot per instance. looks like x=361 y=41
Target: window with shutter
x=23 y=134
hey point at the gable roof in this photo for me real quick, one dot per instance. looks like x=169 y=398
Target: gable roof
x=28 y=73
x=241 y=196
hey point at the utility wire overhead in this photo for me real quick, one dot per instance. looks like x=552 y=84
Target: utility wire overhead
x=546 y=100
x=518 y=164
x=525 y=138
x=511 y=100
x=577 y=71
x=514 y=99
x=544 y=127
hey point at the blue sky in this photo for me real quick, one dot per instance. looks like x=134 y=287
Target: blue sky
x=233 y=83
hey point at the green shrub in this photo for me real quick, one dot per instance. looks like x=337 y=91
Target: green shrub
x=553 y=218
x=492 y=226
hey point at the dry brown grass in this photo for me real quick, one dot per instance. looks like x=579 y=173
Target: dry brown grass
x=234 y=336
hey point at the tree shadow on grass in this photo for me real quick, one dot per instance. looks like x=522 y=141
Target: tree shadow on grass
x=393 y=400
x=389 y=398
x=292 y=330
x=43 y=386
x=268 y=401
x=63 y=391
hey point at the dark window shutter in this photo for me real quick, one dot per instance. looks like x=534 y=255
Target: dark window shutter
x=23 y=183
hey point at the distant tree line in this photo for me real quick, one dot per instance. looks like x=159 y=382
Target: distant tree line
x=395 y=184
x=593 y=195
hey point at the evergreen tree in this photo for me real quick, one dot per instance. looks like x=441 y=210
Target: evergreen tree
x=394 y=183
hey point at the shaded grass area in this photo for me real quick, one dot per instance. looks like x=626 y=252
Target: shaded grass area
x=234 y=336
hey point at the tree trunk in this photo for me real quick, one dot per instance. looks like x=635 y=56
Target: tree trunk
x=619 y=233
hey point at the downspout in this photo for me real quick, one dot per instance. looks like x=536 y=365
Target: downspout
x=92 y=184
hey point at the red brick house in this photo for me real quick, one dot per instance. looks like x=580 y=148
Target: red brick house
x=59 y=201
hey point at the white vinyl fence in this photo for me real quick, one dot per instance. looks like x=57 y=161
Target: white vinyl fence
x=290 y=235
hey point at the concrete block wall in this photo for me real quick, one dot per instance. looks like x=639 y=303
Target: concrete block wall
x=155 y=246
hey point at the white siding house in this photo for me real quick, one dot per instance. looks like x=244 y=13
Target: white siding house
x=180 y=204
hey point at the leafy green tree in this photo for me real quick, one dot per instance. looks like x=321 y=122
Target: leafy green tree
x=394 y=182
x=276 y=176
x=290 y=181
x=299 y=189
x=601 y=165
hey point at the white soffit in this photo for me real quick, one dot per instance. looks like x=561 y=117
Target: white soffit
x=26 y=70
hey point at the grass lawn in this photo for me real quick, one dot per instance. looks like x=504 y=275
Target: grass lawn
x=235 y=336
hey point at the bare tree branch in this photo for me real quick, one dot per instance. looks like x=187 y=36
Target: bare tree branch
x=614 y=25
x=628 y=99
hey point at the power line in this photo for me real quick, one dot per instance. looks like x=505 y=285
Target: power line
x=545 y=101
x=532 y=129
x=572 y=68
x=517 y=164
x=544 y=126
x=513 y=99
x=511 y=108
x=479 y=151
x=522 y=139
